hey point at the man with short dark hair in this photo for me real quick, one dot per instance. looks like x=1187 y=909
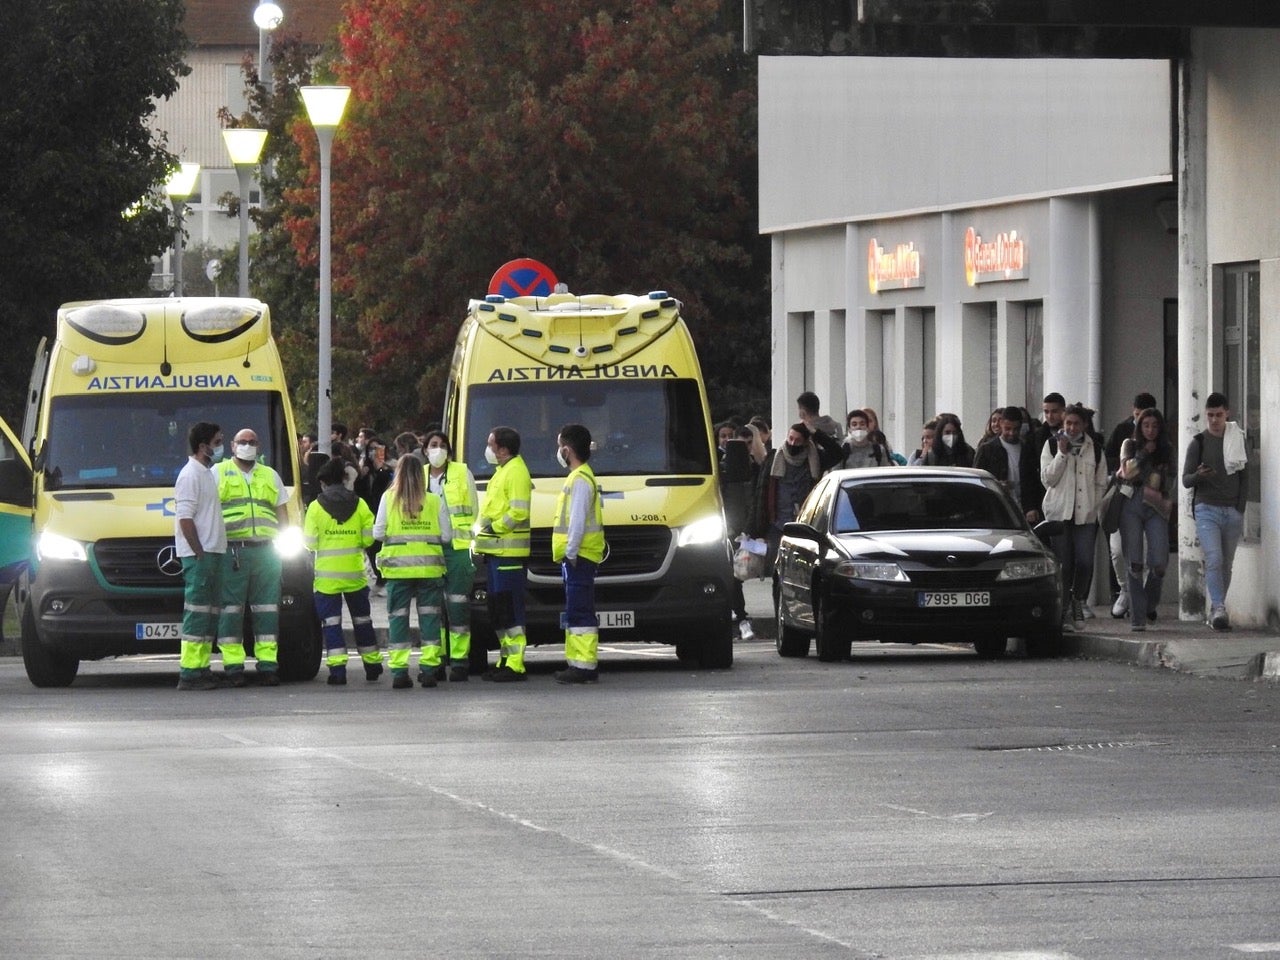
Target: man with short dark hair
x=1053 y=408
x=577 y=542
x=808 y=407
x=503 y=538
x=200 y=540
x=1216 y=470
x=1015 y=463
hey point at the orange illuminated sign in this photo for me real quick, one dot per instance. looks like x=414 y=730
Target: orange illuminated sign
x=899 y=267
x=1004 y=258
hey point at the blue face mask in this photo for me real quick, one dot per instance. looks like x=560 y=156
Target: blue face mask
x=215 y=453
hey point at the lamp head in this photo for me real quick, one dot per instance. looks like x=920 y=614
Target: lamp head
x=244 y=144
x=325 y=104
x=268 y=15
x=182 y=182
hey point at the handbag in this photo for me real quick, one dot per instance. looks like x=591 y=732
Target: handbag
x=1110 y=508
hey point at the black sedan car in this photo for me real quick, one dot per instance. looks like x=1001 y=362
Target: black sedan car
x=912 y=555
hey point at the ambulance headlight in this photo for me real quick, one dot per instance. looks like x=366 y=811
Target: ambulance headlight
x=706 y=530
x=289 y=543
x=54 y=546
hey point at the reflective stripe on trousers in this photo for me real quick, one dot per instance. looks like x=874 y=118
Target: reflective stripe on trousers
x=256 y=584
x=426 y=594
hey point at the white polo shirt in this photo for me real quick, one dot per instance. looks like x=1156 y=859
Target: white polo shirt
x=195 y=495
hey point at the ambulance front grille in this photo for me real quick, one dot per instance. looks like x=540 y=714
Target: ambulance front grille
x=135 y=562
x=633 y=551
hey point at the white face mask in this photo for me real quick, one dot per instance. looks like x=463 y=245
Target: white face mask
x=247 y=451
x=949 y=439
x=490 y=456
x=560 y=457
x=436 y=456
x=857 y=436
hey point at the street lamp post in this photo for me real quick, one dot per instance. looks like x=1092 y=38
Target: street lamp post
x=267 y=16
x=324 y=106
x=245 y=146
x=180 y=185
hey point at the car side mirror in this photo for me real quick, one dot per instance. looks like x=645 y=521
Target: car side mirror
x=1046 y=530
x=801 y=531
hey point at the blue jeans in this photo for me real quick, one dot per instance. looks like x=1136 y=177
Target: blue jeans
x=1219 y=529
x=1144 y=535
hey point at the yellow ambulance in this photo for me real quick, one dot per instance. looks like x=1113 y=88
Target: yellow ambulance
x=626 y=368
x=104 y=436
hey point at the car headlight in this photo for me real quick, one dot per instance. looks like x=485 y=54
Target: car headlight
x=289 y=542
x=706 y=530
x=1028 y=569
x=861 y=570
x=54 y=546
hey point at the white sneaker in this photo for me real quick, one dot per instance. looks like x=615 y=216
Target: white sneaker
x=745 y=632
x=1121 y=607
x=1088 y=612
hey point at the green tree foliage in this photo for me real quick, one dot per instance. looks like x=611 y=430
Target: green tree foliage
x=611 y=139
x=80 y=82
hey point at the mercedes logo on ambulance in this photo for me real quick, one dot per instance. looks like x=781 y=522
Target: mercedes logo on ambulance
x=168 y=563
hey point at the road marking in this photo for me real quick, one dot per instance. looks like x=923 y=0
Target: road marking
x=1003 y=955
x=953 y=817
x=1255 y=947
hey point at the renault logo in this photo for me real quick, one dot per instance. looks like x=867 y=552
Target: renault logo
x=168 y=563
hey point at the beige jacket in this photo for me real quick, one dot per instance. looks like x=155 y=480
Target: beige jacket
x=1073 y=482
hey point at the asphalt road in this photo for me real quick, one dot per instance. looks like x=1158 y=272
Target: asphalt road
x=913 y=803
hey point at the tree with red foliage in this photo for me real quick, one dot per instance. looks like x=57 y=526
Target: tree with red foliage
x=612 y=139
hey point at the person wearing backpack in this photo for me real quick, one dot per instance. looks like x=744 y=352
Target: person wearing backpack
x=1074 y=475
x=1216 y=470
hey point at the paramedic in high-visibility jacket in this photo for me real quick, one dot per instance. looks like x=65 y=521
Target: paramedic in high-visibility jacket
x=453 y=482
x=502 y=537
x=577 y=542
x=253 y=509
x=337 y=529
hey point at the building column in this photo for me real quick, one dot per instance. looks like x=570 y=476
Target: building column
x=787 y=344
x=1194 y=377
x=1073 y=307
x=949 y=379
x=829 y=362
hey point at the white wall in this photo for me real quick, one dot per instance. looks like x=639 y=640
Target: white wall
x=861 y=137
x=1243 y=214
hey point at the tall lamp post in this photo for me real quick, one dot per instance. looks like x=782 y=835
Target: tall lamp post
x=324 y=107
x=245 y=146
x=180 y=185
x=266 y=16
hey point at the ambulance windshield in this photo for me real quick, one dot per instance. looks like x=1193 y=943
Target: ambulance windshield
x=119 y=440
x=639 y=427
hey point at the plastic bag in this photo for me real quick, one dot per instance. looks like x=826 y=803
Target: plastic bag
x=748 y=559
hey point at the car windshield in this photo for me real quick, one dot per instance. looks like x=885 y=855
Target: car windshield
x=140 y=439
x=645 y=427
x=921 y=504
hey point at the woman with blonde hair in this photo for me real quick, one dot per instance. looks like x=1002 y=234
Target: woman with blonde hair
x=413 y=525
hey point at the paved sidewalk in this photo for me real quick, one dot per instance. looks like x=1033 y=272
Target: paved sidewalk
x=1189 y=646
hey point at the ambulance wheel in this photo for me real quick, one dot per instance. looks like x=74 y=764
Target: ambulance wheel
x=45 y=666
x=301 y=645
x=717 y=648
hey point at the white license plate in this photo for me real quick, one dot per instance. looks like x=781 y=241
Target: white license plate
x=954 y=598
x=616 y=619
x=157 y=631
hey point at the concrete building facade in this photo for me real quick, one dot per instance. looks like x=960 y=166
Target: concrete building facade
x=960 y=234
